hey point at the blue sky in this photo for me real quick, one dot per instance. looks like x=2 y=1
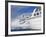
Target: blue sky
x=18 y=10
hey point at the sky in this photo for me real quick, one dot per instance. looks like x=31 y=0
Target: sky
x=18 y=10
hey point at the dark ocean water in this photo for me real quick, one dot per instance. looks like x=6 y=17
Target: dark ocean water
x=20 y=29
x=25 y=30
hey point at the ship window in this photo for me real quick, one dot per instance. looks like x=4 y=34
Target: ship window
x=40 y=12
x=34 y=14
x=37 y=13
